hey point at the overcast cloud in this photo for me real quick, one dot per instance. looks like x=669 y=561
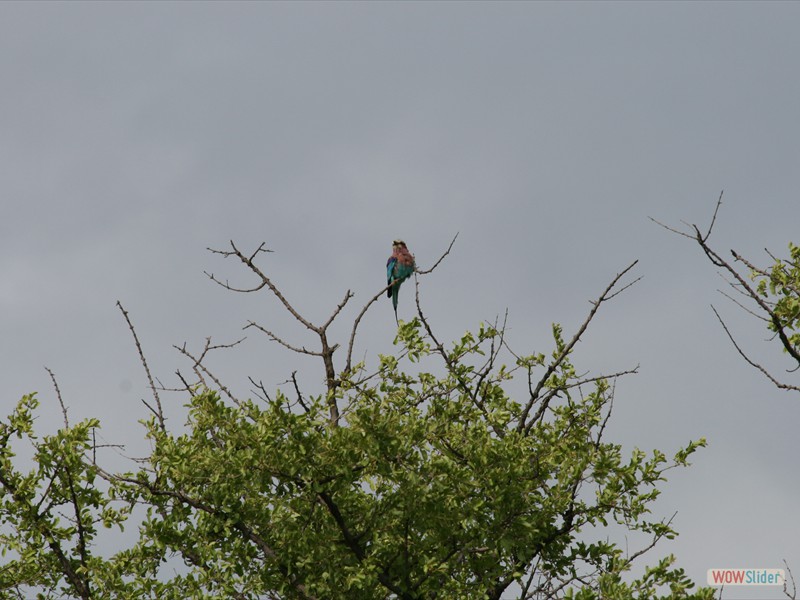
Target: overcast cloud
x=133 y=136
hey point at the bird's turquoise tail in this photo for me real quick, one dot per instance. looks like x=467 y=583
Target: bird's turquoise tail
x=395 y=294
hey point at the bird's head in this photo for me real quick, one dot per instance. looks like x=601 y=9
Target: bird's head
x=398 y=244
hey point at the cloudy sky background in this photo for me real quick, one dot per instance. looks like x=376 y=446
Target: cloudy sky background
x=133 y=136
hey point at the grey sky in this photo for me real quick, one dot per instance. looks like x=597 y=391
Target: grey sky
x=132 y=136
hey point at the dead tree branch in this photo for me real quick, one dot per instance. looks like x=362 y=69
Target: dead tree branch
x=741 y=284
x=326 y=349
x=751 y=362
x=793 y=595
x=58 y=395
x=535 y=393
x=199 y=366
x=159 y=413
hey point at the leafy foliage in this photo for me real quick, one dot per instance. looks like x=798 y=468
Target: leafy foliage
x=429 y=488
x=781 y=285
x=434 y=475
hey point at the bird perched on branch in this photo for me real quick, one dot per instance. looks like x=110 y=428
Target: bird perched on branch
x=399 y=267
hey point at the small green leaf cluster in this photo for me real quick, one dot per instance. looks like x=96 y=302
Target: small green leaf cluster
x=51 y=514
x=781 y=285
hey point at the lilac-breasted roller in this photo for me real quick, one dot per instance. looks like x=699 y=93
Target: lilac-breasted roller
x=399 y=267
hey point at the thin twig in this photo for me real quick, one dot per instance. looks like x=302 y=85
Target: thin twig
x=713 y=218
x=159 y=413
x=656 y=538
x=297 y=390
x=742 y=306
x=793 y=595
x=441 y=258
x=58 y=395
x=777 y=383
x=275 y=338
x=356 y=323
x=199 y=365
x=185 y=383
x=260 y=385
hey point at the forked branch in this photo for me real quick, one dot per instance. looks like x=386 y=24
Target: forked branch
x=742 y=284
x=526 y=424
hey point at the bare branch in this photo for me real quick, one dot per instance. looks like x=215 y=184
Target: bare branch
x=613 y=376
x=718 y=261
x=619 y=291
x=58 y=395
x=264 y=395
x=185 y=383
x=441 y=258
x=742 y=306
x=374 y=299
x=283 y=343
x=748 y=264
x=793 y=595
x=159 y=413
x=150 y=408
x=198 y=364
x=672 y=229
x=338 y=309
x=326 y=351
x=777 y=383
x=526 y=425
x=713 y=219
x=265 y=281
x=229 y=287
x=297 y=390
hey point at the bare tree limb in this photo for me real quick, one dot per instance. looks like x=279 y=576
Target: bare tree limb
x=793 y=595
x=275 y=338
x=441 y=258
x=198 y=364
x=58 y=395
x=349 y=363
x=159 y=412
x=263 y=395
x=326 y=350
x=186 y=386
x=744 y=286
x=265 y=281
x=713 y=218
x=297 y=390
x=524 y=424
x=752 y=363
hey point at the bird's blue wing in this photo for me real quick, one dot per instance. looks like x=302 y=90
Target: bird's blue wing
x=390 y=275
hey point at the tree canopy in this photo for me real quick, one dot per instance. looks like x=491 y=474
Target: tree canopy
x=420 y=474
